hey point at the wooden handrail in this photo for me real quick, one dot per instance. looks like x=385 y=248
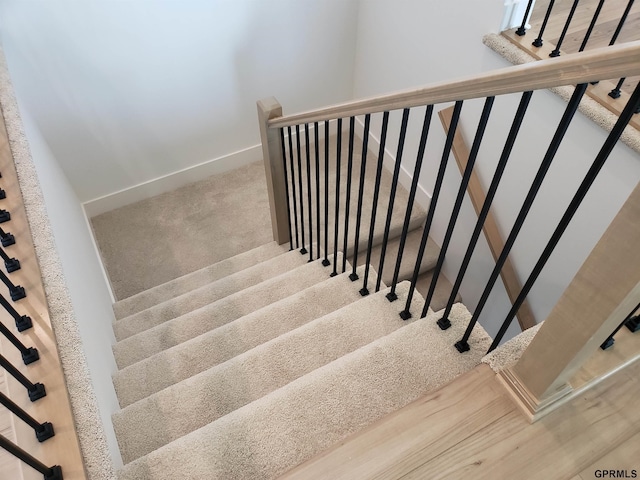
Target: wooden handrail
x=599 y=64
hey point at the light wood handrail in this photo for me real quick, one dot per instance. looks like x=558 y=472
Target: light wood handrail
x=599 y=64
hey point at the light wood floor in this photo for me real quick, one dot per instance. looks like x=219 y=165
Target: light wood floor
x=470 y=429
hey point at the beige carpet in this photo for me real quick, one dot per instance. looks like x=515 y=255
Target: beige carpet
x=156 y=240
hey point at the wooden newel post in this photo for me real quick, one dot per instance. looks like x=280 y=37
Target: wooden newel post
x=268 y=109
x=601 y=295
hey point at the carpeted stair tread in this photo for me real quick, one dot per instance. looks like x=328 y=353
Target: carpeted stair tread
x=441 y=293
x=169 y=334
x=196 y=279
x=409 y=256
x=207 y=294
x=271 y=435
x=178 y=363
x=200 y=400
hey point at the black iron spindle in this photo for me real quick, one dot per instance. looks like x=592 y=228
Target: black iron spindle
x=23 y=322
x=325 y=261
x=50 y=473
x=473 y=154
x=376 y=192
x=44 y=431
x=29 y=354
x=591 y=25
x=406 y=313
x=5 y=216
x=35 y=390
x=556 y=51
x=15 y=291
x=11 y=264
x=571 y=109
x=286 y=186
x=615 y=93
x=392 y=194
x=623 y=19
x=352 y=128
x=303 y=250
x=316 y=136
x=307 y=150
x=577 y=199
x=363 y=168
x=538 y=41
x=633 y=324
x=610 y=339
x=293 y=187
x=337 y=207
x=3 y=194
x=522 y=30
x=444 y=322
x=391 y=296
x=6 y=238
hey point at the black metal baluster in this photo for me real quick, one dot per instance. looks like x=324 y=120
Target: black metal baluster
x=391 y=296
x=623 y=19
x=44 y=431
x=406 y=314
x=303 y=250
x=610 y=340
x=316 y=135
x=556 y=51
x=522 y=30
x=376 y=191
x=615 y=93
x=444 y=322
x=3 y=194
x=23 y=322
x=392 y=194
x=538 y=41
x=363 y=168
x=29 y=354
x=307 y=149
x=11 y=264
x=473 y=154
x=50 y=473
x=591 y=25
x=326 y=261
x=584 y=187
x=633 y=324
x=337 y=207
x=6 y=238
x=352 y=128
x=286 y=186
x=5 y=216
x=571 y=109
x=16 y=291
x=293 y=187
x=35 y=390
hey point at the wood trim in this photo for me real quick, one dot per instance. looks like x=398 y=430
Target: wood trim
x=64 y=448
x=601 y=295
x=269 y=109
x=526 y=319
x=598 y=64
x=597 y=92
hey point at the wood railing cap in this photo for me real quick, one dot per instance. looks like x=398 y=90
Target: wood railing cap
x=599 y=64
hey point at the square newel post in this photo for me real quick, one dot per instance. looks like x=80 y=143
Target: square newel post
x=600 y=296
x=268 y=109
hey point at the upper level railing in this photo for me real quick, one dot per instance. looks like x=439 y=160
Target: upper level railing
x=296 y=159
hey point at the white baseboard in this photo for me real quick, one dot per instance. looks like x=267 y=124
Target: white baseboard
x=174 y=180
x=423 y=198
x=97 y=251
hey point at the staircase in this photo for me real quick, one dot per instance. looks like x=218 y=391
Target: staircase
x=252 y=373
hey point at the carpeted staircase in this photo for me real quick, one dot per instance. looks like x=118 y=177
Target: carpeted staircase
x=246 y=368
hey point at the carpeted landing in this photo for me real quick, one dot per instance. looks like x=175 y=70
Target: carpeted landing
x=247 y=368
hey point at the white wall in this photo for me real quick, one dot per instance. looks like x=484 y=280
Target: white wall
x=83 y=274
x=128 y=91
x=403 y=44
